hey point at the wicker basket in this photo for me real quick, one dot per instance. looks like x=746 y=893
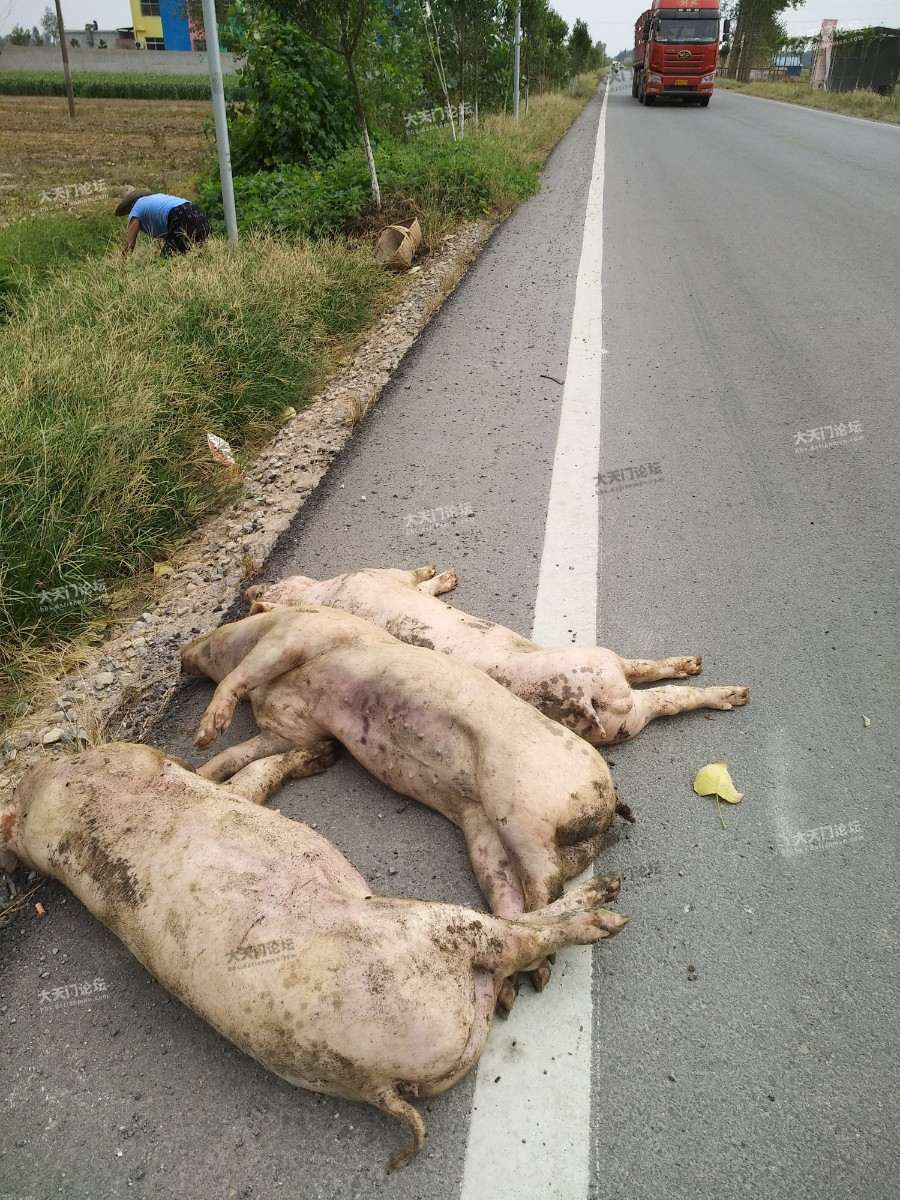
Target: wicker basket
x=397 y=245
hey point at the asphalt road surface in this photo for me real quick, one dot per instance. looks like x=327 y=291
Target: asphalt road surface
x=740 y=1038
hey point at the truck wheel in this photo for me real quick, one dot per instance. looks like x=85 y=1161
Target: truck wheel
x=704 y=101
x=634 y=84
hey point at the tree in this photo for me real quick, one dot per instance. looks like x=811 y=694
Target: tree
x=580 y=46
x=297 y=108
x=50 y=27
x=19 y=36
x=36 y=39
x=338 y=26
x=755 y=27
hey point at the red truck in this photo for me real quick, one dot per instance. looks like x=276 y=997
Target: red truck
x=676 y=49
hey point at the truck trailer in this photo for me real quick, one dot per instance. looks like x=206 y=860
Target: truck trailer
x=676 y=50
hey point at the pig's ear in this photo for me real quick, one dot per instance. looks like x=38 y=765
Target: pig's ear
x=261 y=606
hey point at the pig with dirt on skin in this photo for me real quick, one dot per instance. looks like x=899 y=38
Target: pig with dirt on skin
x=354 y=995
x=532 y=800
x=586 y=688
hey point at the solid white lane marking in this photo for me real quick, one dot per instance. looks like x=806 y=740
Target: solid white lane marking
x=530 y=1128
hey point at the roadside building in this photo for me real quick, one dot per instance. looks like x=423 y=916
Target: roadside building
x=164 y=25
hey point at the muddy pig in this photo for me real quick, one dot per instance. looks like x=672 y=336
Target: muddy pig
x=586 y=688
x=359 y=996
x=532 y=800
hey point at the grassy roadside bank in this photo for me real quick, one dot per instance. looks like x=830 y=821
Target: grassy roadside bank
x=851 y=104
x=112 y=373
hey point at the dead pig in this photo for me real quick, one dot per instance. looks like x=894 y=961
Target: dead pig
x=532 y=800
x=368 y=998
x=586 y=688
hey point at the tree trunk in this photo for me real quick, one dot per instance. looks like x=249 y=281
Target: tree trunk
x=475 y=80
x=361 y=117
x=462 y=76
x=70 y=95
x=439 y=67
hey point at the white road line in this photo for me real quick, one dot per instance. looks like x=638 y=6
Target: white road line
x=530 y=1129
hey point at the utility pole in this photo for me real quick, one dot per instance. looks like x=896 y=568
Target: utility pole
x=211 y=33
x=517 y=43
x=70 y=95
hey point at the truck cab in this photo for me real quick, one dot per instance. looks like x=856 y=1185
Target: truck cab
x=676 y=51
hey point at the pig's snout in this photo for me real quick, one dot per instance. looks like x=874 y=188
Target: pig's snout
x=254 y=593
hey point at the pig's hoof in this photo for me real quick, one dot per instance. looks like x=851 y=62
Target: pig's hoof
x=691 y=665
x=312 y=760
x=506 y=997
x=540 y=976
x=726 y=698
x=205 y=737
x=609 y=922
x=608 y=887
x=447 y=581
x=625 y=811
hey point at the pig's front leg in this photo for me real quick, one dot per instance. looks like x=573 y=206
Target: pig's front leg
x=646 y=670
x=235 y=758
x=270 y=657
x=262 y=779
x=445 y=582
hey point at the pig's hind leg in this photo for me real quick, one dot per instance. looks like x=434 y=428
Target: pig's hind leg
x=262 y=779
x=668 y=701
x=577 y=918
x=646 y=670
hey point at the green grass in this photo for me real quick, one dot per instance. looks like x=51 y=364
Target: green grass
x=122 y=85
x=439 y=180
x=109 y=382
x=112 y=372
x=854 y=104
x=32 y=249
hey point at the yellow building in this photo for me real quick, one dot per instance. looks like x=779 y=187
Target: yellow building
x=161 y=24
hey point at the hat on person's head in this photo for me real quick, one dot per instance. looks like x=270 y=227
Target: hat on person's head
x=128 y=197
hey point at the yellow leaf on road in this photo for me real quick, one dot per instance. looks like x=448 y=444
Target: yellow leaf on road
x=163 y=568
x=714 y=780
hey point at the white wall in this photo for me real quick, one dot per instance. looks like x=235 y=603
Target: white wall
x=154 y=62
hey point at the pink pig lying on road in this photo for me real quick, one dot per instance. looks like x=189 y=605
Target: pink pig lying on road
x=532 y=800
x=354 y=995
x=586 y=688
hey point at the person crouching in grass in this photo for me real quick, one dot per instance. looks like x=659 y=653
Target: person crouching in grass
x=178 y=223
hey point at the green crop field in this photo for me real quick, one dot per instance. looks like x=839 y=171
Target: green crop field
x=112 y=85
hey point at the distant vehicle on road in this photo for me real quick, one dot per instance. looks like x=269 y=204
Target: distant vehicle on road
x=676 y=49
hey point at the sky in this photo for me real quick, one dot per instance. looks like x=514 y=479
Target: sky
x=610 y=21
